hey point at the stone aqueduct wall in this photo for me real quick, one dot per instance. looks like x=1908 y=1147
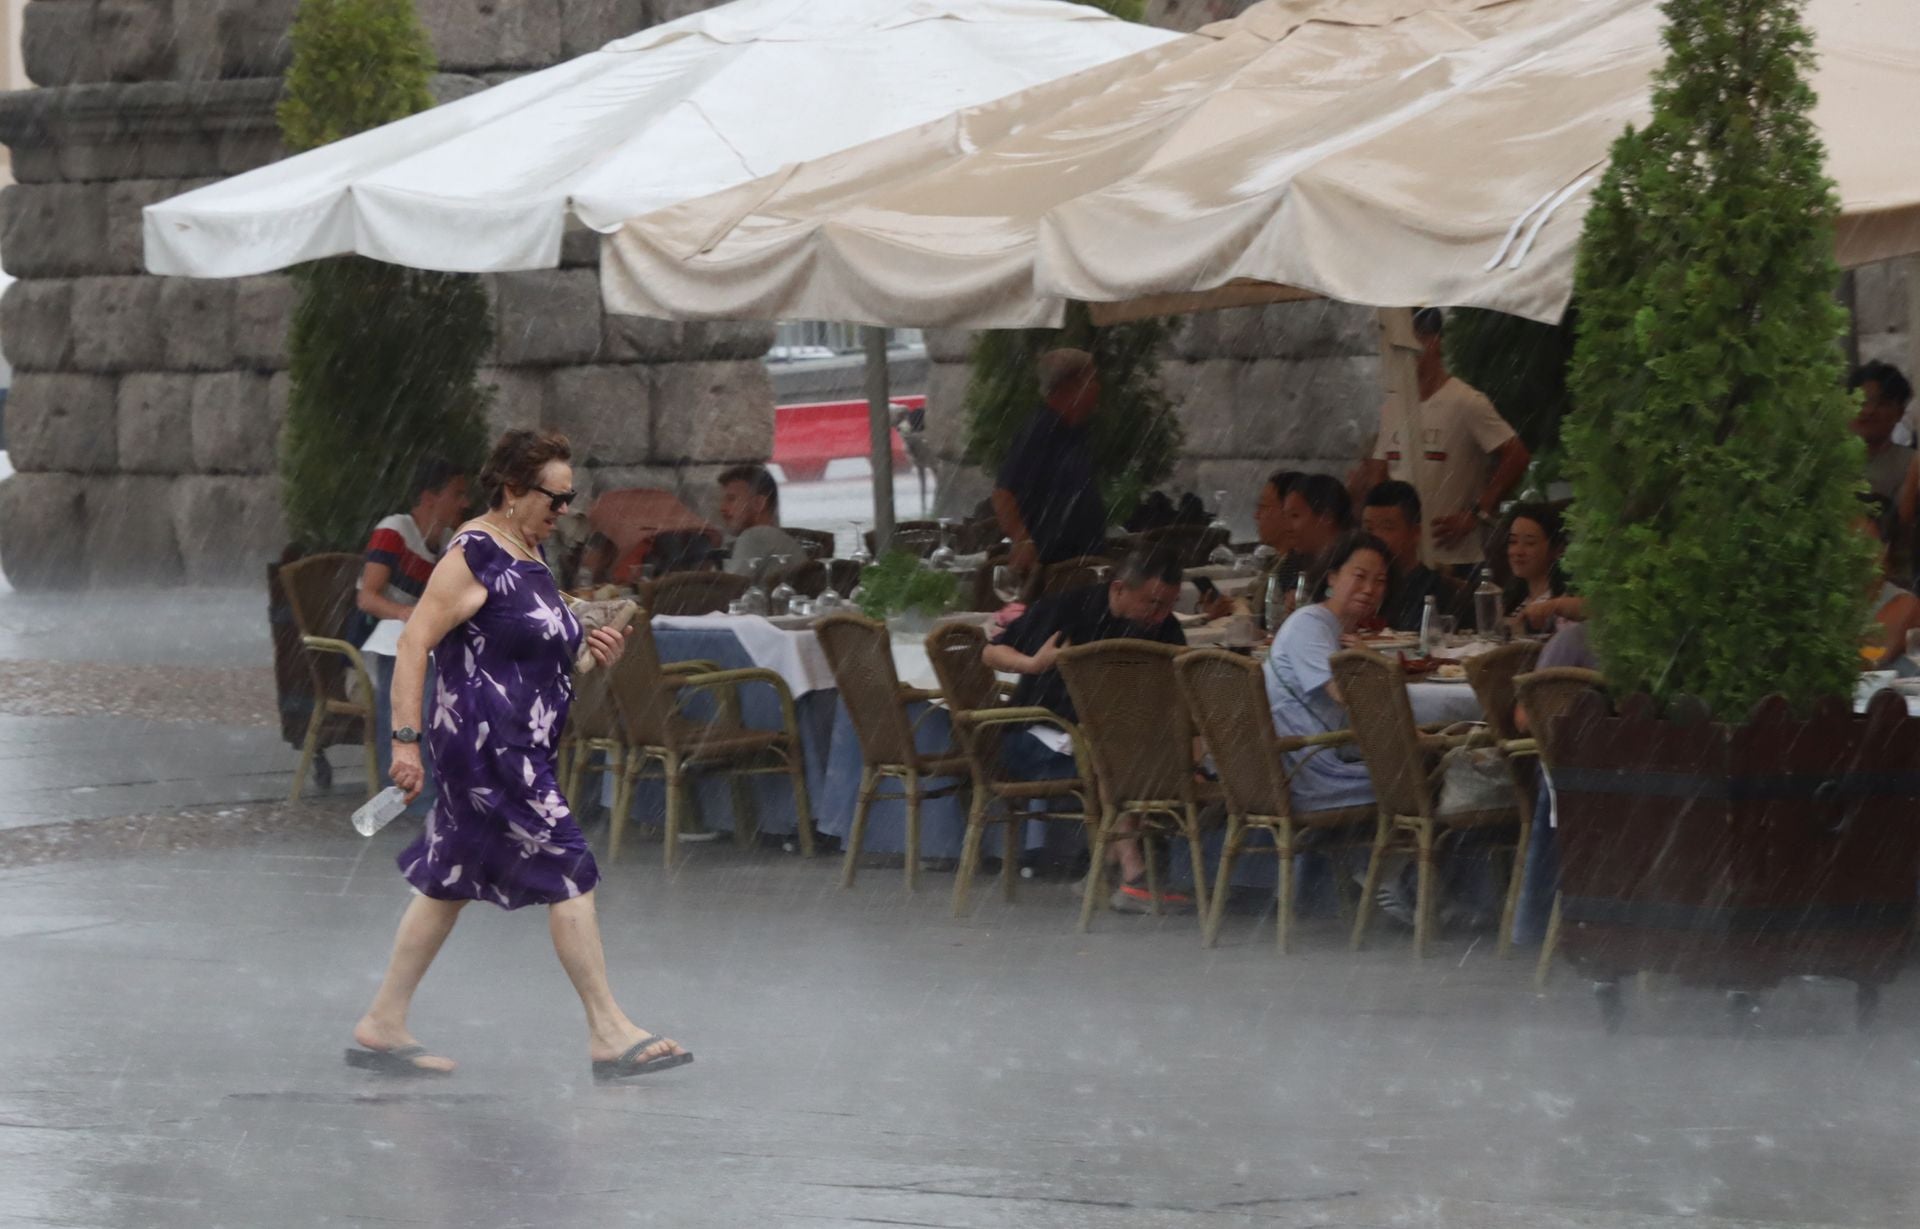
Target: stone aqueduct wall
x=145 y=414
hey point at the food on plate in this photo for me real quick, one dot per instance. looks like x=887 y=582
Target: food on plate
x=1450 y=672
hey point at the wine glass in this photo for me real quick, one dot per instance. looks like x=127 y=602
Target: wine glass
x=1006 y=584
x=757 y=600
x=944 y=556
x=861 y=555
x=1219 y=523
x=780 y=601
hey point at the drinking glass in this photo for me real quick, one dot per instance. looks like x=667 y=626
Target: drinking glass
x=1447 y=625
x=861 y=555
x=1006 y=584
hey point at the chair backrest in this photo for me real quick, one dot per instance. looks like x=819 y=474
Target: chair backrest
x=819 y=542
x=808 y=577
x=1374 y=690
x=641 y=698
x=692 y=593
x=956 y=651
x=1491 y=676
x=320 y=594
x=861 y=654
x=593 y=713
x=915 y=537
x=1226 y=695
x=1548 y=694
x=1078 y=573
x=1137 y=729
x=844 y=576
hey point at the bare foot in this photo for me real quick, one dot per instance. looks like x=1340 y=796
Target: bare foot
x=606 y=1049
x=381 y=1037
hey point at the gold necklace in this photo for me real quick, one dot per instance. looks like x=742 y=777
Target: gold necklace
x=512 y=537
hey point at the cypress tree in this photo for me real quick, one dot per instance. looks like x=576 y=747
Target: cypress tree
x=1715 y=479
x=383 y=358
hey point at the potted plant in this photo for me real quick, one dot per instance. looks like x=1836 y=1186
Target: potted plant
x=1715 y=509
x=900 y=590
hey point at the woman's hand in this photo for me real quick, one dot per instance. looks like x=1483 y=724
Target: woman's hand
x=1216 y=605
x=607 y=645
x=406 y=771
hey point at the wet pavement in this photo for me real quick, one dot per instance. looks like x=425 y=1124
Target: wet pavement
x=182 y=956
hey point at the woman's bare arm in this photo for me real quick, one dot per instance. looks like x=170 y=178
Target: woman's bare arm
x=452 y=597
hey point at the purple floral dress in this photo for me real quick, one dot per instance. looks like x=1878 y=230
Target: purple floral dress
x=500 y=830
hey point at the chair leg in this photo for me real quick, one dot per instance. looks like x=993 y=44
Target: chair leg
x=1545 y=966
x=308 y=749
x=802 y=805
x=1151 y=863
x=913 y=831
x=969 y=853
x=1097 y=869
x=746 y=811
x=857 y=835
x=1012 y=846
x=1197 y=854
x=624 y=787
x=1423 y=900
x=577 y=768
x=1229 y=853
x=676 y=802
x=1364 y=913
x=1512 y=909
x=1283 y=849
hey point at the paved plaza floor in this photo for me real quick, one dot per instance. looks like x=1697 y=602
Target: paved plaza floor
x=182 y=957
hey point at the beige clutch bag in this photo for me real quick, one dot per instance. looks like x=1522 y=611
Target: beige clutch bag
x=614 y=616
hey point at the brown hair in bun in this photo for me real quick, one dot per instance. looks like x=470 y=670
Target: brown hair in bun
x=517 y=460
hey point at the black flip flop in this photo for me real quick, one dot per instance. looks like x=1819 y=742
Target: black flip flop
x=397 y=1061
x=623 y=1067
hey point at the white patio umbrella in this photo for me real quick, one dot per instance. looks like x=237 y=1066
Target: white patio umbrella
x=677 y=111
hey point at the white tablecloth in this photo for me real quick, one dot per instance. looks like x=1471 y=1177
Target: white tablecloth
x=794 y=655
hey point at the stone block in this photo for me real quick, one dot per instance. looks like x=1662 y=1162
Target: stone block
x=546 y=317
x=36 y=164
x=519 y=399
x=477 y=35
x=58 y=43
x=1205 y=396
x=947 y=409
x=1880 y=298
x=593 y=481
x=198 y=321
x=43 y=531
x=949 y=345
x=238 y=150
x=228 y=528
x=234 y=427
x=660 y=12
x=579 y=246
x=62 y=422
x=155 y=417
x=718 y=340
x=125 y=230
x=196 y=40
x=135 y=37
x=641 y=339
x=712 y=412
x=36 y=324
x=588 y=25
x=1895 y=348
x=253 y=36
x=130 y=532
x=55 y=229
x=605 y=411
x=1313 y=329
x=103 y=156
x=1324 y=408
x=117 y=324
x=262 y=313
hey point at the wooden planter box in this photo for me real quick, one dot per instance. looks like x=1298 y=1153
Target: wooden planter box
x=1735 y=856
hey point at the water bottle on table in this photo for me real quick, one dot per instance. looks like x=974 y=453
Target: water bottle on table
x=380 y=810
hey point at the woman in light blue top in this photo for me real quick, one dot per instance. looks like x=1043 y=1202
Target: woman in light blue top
x=1299 y=672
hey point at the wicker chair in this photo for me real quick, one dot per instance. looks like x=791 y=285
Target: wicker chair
x=861 y=654
x=809 y=578
x=1546 y=694
x=915 y=537
x=1071 y=574
x=1227 y=695
x=692 y=593
x=649 y=699
x=819 y=542
x=1492 y=676
x=977 y=702
x=1140 y=745
x=1407 y=765
x=320 y=592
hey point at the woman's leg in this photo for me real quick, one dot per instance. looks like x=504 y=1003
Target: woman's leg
x=423 y=928
x=576 y=939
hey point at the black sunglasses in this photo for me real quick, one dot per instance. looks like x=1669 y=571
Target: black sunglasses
x=561 y=499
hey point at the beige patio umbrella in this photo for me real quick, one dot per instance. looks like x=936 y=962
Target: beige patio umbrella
x=939 y=226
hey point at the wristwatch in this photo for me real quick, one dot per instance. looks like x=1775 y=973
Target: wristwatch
x=406 y=734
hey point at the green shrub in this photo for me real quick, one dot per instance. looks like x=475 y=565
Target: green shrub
x=1714 y=476
x=897 y=584
x=383 y=358
x=1136 y=437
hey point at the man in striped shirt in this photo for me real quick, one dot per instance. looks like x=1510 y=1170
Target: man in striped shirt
x=400 y=556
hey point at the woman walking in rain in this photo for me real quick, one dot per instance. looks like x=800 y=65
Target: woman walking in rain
x=503 y=645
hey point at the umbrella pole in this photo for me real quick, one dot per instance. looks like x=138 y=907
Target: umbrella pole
x=880 y=424
x=1400 y=380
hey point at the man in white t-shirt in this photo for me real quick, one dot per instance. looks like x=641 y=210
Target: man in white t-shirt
x=750 y=509
x=1463 y=462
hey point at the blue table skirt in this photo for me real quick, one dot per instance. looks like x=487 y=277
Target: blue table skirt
x=833 y=765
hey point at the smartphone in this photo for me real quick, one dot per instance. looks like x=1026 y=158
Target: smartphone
x=1206 y=587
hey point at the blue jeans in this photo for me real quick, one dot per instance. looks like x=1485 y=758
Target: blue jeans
x=1542 y=877
x=382 y=669
x=1025 y=758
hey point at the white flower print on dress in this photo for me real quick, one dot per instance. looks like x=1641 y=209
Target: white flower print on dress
x=551 y=621
x=453 y=877
x=480 y=736
x=506 y=581
x=494 y=683
x=444 y=717
x=550 y=808
x=573 y=889
x=541 y=721
x=482 y=798
x=531 y=842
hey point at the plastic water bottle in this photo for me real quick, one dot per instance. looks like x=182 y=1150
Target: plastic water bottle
x=1429 y=628
x=380 y=810
x=1486 y=609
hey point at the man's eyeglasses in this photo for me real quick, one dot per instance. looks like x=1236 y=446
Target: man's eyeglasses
x=561 y=499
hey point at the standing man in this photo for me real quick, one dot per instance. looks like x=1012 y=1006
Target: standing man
x=750 y=509
x=1045 y=498
x=1457 y=451
x=400 y=556
x=1392 y=514
x=1137 y=605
